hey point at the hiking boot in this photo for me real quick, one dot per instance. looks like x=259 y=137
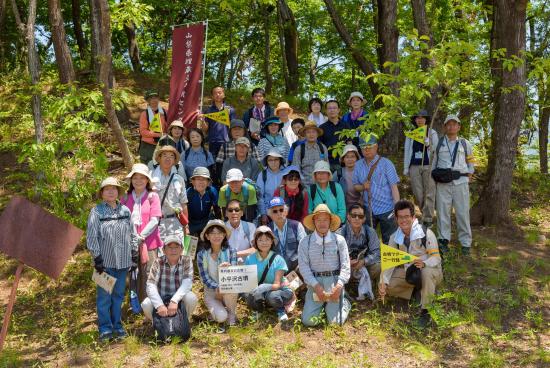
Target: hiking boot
x=232 y=320
x=121 y=334
x=281 y=315
x=428 y=223
x=443 y=246
x=466 y=251
x=424 y=319
x=105 y=336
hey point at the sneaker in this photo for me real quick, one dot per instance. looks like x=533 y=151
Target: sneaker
x=121 y=334
x=105 y=336
x=255 y=316
x=360 y=298
x=282 y=316
x=290 y=306
x=428 y=223
x=443 y=246
x=232 y=320
x=424 y=319
x=466 y=251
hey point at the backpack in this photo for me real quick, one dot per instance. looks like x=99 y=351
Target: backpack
x=313 y=190
x=303 y=150
x=171 y=326
x=245 y=189
x=440 y=143
x=187 y=151
x=246 y=229
x=163 y=113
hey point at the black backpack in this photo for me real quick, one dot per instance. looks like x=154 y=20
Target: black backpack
x=313 y=190
x=303 y=150
x=171 y=326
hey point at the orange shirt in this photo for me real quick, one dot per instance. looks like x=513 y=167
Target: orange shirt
x=146 y=134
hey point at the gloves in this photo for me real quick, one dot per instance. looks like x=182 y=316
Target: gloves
x=135 y=257
x=98 y=264
x=261 y=289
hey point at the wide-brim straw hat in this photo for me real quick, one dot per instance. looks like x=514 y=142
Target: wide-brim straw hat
x=140 y=169
x=218 y=223
x=359 y=95
x=322 y=208
x=283 y=105
x=110 y=181
x=310 y=125
x=170 y=149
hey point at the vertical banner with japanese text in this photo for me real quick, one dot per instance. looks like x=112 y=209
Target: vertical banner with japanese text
x=185 y=82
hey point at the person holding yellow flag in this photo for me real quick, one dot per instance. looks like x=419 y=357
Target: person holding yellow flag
x=403 y=278
x=218 y=132
x=419 y=149
x=152 y=125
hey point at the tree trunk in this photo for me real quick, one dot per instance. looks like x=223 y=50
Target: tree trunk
x=544 y=118
x=367 y=68
x=105 y=69
x=133 y=49
x=96 y=22
x=3 y=10
x=221 y=69
x=284 y=69
x=267 y=50
x=63 y=57
x=77 y=29
x=290 y=33
x=509 y=31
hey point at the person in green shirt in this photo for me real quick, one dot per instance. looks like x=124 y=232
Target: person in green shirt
x=237 y=188
x=325 y=191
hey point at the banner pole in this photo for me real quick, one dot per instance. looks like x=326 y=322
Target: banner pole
x=204 y=63
x=11 y=302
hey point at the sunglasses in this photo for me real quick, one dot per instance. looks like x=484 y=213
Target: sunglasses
x=280 y=210
x=356 y=216
x=293 y=178
x=234 y=209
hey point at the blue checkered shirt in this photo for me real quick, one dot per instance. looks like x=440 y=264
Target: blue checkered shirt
x=383 y=178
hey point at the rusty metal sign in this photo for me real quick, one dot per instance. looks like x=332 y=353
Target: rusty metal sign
x=37 y=238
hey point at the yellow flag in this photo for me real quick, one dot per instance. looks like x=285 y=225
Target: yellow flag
x=392 y=257
x=418 y=134
x=221 y=116
x=155 y=125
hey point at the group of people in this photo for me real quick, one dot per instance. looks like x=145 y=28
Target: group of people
x=271 y=191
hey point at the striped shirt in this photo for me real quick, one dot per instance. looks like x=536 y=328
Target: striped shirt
x=382 y=180
x=269 y=143
x=166 y=281
x=228 y=150
x=312 y=154
x=203 y=260
x=316 y=254
x=109 y=235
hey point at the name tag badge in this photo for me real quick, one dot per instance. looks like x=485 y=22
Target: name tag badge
x=418 y=155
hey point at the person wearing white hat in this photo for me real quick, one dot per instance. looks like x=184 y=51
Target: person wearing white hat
x=237 y=188
x=217 y=253
x=308 y=154
x=356 y=101
x=325 y=191
x=170 y=281
x=344 y=175
x=175 y=130
x=283 y=111
x=203 y=200
x=272 y=290
x=268 y=181
x=114 y=248
x=454 y=156
x=144 y=205
x=324 y=264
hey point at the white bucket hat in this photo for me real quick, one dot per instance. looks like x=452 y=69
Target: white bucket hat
x=140 y=169
x=359 y=95
x=321 y=166
x=234 y=175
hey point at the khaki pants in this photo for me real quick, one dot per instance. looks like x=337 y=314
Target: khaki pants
x=190 y=302
x=220 y=310
x=143 y=274
x=400 y=288
x=449 y=196
x=423 y=187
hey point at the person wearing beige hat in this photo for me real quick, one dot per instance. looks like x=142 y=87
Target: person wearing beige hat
x=242 y=160
x=114 y=249
x=176 y=130
x=324 y=264
x=203 y=200
x=283 y=112
x=344 y=175
x=144 y=204
x=171 y=190
x=308 y=154
x=355 y=117
x=215 y=254
x=268 y=181
x=325 y=191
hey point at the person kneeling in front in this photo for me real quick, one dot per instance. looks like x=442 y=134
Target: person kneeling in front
x=169 y=282
x=324 y=263
x=421 y=242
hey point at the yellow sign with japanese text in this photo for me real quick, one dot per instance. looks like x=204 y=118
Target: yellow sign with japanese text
x=220 y=116
x=418 y=134
x=392 y=257
x=155 y=125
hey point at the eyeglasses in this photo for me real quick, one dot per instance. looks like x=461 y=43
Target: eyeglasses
x=293 y=178
x=280 y=210
x=233 y=209
x=356 y=216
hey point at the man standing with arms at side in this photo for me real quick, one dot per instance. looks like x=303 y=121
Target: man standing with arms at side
x=255 y=116
x=330 y=129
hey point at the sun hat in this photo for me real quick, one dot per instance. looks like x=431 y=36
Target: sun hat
x=234 y=175
x=264 y=230
x=421 y=113
x=110 y=181
x=175 y=123
x=283 y=105
x=349 y=148
x=357 y=94
x=452 y=117
x=273 y=153
x=151 y=93
x=371 y=140
x=172 y=239
x=322 y=208
x=236 y=123
x=167 y=148
x=201 y=172
x=140 y=169
x=219 y=223
x=321 y=166
x=275 y=202
x=310 y=125
x=243 y=140
x=287 y=170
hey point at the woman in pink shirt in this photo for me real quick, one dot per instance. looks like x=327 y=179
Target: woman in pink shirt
x=144 y=204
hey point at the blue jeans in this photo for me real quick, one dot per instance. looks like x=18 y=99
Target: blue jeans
x=334 y=314
x=109 y=305
x=276 y=299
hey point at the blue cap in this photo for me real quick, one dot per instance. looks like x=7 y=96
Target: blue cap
x=371 y=140
x=276 y=201
x=272 y=120
x=287 y=170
